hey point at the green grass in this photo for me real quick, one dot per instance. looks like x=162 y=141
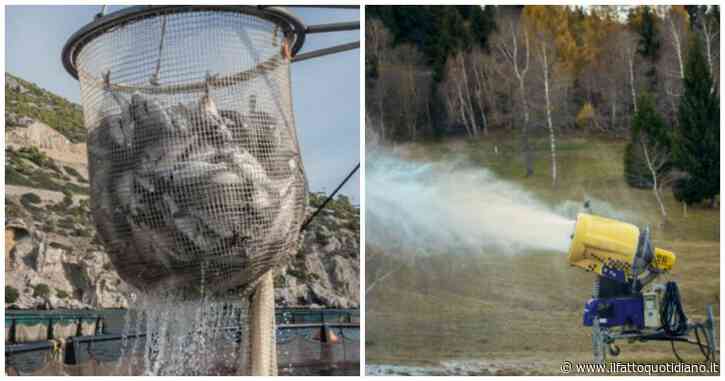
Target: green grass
x=41 y=290
x=11 y=294
x=497 y=307
x=32 y=168
x=72 y=172
x=63 y=116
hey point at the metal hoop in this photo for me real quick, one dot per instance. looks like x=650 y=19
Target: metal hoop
x=288 y=23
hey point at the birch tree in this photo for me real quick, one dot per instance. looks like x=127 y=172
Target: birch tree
x=656 y=143
x=514 y=46
x=377 y=41
x=458 y=95
x=549 y=33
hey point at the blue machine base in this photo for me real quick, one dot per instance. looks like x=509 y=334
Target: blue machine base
x=613 y=312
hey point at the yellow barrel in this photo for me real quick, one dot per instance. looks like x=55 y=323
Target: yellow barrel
x=600 y=242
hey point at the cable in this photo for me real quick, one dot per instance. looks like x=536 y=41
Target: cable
x=674 y=320
x=677 y=355
x=330 y=197
x=710 y=353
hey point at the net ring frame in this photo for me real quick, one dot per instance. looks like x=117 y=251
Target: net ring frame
x=291 y=27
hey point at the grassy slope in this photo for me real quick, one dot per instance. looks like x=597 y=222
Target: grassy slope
x=55 y=111
x=528 y=306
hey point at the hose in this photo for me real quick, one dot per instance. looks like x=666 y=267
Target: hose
x=672 y=315
x=674 y=322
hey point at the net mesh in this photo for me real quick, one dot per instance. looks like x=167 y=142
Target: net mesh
x=195 y=170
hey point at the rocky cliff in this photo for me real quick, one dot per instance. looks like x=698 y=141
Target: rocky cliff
x=52 y=256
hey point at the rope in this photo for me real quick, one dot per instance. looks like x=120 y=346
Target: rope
x=155 y=78
x=330 y=197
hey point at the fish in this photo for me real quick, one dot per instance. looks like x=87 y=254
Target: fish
x=246 y=164
x=194 y=230
x=181 y=119
x=285 y=227
x=146 y=243
x=117 y=119
x=210 y=124
x=123 y=189
x=192 y=182
x=153 y=123
x=123 y=119
x=188 y=172
x=242 y=133
x=266 y=131
x=112 y=125
x=166 y=152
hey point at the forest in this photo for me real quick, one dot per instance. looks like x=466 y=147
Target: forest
x=645 y=74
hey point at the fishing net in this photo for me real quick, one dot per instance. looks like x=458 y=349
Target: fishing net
x=195 y=169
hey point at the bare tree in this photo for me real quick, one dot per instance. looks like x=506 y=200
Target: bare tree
x=519 y=57
x=671 y=65
x=677 y=23
x=377 y=40
x=406 y=84
x=709 y=26
x=545 y=53
x=629 y=42
x=658 y=159
x=482 y=89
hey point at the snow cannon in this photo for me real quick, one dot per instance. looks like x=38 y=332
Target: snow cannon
x=616 y=250
x=625 y=304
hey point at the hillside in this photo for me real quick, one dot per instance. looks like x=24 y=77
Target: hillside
x=513 y=315
x=26 y=99
x=52 y=256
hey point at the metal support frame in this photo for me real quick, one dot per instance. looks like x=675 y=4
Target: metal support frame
x=329 y=28
x=326 y=51
x=657 y=335
x=333 y=27
x=603 y=339
x=598 y=333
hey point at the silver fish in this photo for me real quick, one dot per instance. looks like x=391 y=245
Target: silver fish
x=152 y=121
x=193 y=229
x=193 y=171
x=210 y=124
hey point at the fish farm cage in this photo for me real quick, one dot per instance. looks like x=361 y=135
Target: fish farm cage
x=23 y=327
x=309 y=342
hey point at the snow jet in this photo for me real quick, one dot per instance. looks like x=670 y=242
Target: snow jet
x=453 y=206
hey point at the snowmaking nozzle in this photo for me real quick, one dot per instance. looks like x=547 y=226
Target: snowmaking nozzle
x=615 y=249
